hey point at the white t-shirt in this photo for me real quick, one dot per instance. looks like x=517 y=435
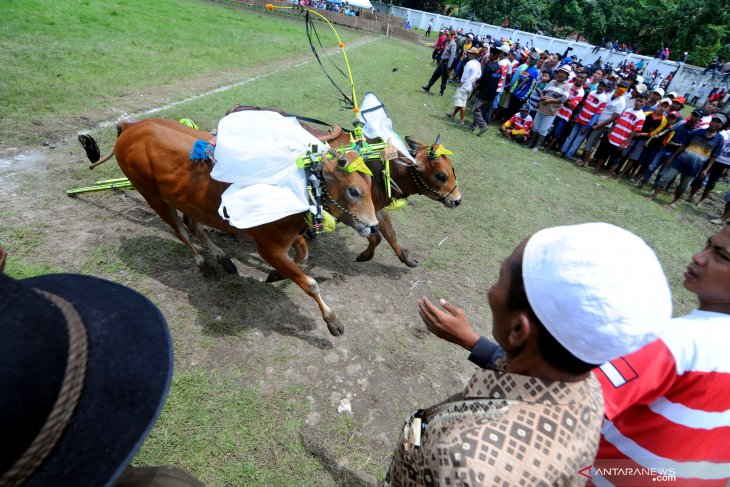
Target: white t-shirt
x=613 y=106
x=472 y=72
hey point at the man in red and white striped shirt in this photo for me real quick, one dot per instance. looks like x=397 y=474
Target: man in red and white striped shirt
x=667 y=406
x=593 y=106
x=628 y=124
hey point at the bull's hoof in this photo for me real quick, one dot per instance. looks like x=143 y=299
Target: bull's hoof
x=227 y=265
x=364 y=257
x=408 y=260
x=207 y=270
x=275 y=276
x=335 y=327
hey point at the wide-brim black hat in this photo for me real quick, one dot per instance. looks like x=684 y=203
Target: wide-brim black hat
x=123 y=384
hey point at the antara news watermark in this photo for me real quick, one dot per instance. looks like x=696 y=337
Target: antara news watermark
x=651 y=474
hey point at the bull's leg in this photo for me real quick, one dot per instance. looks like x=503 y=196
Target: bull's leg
x=386 y=228
x=171 y=217
x=220 y=256
x=277 y=256
x=301 y=249
x=369 y=252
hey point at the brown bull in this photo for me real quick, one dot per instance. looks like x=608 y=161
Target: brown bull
x=154 y=155
x=431 y=176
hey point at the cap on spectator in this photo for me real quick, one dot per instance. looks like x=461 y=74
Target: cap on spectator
x=680 y=99
x=504 y=48
x=525 y=107
x=668 y=101
x=721 y=117
x=658 y=90
x=473 y=50
x=582 y=282
x=698 y=112
x=672 y=95
x=639 y=79
x=566 y=68
x=535 y=56
x=641 y=88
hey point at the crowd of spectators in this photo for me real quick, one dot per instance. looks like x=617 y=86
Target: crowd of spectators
x=619 y=121
x=341 y=7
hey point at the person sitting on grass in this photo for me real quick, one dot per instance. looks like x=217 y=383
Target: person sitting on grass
x=692 y=159
x=519 y=127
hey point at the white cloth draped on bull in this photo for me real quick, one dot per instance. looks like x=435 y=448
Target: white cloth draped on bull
x=256 y=151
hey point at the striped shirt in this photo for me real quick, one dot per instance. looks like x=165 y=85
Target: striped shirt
x=667 y=406
x=519 y=124
x=506 y=66
x=594 y=105
x=630 y=121
x=574 y=98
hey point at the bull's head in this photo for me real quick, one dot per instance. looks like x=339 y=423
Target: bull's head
x=434 y=167
x=347 y=182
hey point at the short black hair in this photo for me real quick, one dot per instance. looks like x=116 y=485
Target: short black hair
x=550 y=349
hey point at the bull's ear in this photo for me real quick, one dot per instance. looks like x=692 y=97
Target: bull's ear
x=413 y=143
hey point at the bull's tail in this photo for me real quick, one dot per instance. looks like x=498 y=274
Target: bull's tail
x=92 y=148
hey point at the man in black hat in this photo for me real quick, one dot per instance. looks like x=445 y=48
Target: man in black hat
x=85 y=366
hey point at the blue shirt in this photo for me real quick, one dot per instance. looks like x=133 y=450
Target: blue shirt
x=524 y=81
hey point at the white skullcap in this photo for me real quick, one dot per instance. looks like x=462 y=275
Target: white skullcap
x=597 y=288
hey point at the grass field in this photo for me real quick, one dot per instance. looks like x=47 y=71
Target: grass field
x=255 y=392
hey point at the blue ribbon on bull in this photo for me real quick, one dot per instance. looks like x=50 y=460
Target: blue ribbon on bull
x=201 y=150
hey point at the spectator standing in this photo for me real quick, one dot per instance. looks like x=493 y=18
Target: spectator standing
x=523 y=83
x=593 y=106
x=439 y=46
x=472 y=72
x=577 y=92
x=486 y=91
x=677 y=135
x=442 y=69
x=653 y=124
x=699 y=94
x=554 y=95
x=693 y=158
x=615 y=106
x=620 y=136
x=534 y=99
x=715 y=170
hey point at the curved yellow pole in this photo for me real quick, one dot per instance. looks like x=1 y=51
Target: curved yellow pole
x=341 y=44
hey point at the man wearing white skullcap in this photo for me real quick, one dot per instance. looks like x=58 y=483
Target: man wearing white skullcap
x=567 y=300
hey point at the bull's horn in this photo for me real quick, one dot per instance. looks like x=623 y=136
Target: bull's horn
x=438 y=139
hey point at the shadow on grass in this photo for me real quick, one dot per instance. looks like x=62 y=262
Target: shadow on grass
x=342 y=476
x=227 y=305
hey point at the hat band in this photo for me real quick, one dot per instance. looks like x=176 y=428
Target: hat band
x=68 y=396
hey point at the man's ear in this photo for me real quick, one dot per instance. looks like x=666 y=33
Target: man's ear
x=520 y=331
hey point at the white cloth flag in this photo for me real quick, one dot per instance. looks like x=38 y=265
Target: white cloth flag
x=378 y=124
